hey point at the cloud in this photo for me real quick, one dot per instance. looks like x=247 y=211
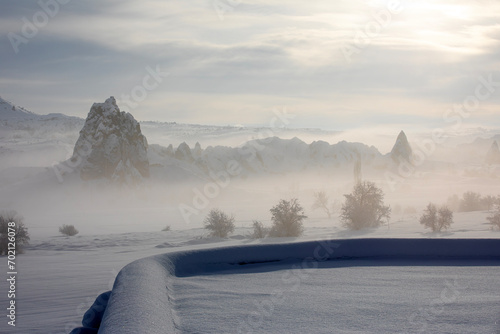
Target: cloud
x=262 y=54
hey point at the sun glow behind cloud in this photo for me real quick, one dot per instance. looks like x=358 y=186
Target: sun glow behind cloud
x=260 y=55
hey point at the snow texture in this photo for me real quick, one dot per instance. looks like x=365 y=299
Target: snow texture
x=143 y=296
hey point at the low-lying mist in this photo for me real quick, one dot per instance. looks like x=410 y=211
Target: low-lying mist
x=100 y=207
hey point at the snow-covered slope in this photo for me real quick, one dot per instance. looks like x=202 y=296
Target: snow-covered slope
x=31 y=140
x=9 y=111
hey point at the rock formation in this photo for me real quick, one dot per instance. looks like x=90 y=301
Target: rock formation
x=111 y=145
x=401 y=149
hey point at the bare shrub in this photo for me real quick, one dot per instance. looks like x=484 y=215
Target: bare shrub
x=470 y=201
x=437 y=219
x=364 y=207
x=12 y=230
x=321 y=201
x=287 y=219
x=219 y=223
x=494 y=218
x=259 y=230
x=68 y=230
x=488 y=202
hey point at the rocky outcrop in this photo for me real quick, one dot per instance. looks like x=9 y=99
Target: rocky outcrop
x=183 y=152
x=111 y=145
x=401 y=149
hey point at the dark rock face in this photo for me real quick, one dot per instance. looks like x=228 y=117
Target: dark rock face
x=111 y=145
x=401 y=149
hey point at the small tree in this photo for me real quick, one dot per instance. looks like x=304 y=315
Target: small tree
x=494 y=218
x=470 y=201
x=437 y=219
x=68 y=230
x=488 y=202
x=12 y=225
x=219 y=223
x=259 y=230
x=364 y=207
x=287 y=219
x=321 y=202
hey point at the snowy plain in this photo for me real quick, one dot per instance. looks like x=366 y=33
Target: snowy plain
x=60 y=277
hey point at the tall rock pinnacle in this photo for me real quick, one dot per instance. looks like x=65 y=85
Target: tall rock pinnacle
x=401 y=149
x=111 y=145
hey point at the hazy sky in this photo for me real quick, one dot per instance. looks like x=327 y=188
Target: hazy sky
x=332 y=64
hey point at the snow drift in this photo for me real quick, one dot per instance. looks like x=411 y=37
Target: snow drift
x=142 y=297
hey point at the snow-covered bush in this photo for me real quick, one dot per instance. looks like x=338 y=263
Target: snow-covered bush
x=437 y=219
x=287 y=217
x=12 y=232
x=494 y=219
x=219 y=223
x=68 y=230
x=259 y=230
x=364 y=207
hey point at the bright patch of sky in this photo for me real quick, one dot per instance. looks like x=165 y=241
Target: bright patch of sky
x=333 y=64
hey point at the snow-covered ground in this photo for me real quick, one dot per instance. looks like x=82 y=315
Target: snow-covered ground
x=345 y=296
x=60 y=277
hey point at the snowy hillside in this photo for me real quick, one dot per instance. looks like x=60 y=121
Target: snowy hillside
x=8 y=111
x=268 y=156
x=31 y=140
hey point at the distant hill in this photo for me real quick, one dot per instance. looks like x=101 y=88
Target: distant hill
x=9 y=111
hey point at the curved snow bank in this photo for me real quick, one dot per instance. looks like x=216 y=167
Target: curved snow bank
x=141 y=299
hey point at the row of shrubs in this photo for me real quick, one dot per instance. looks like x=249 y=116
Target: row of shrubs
x=363 y=208
x=472 y=201
x=287 y=218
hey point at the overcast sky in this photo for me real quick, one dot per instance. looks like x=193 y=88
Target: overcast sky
x=333 y=64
